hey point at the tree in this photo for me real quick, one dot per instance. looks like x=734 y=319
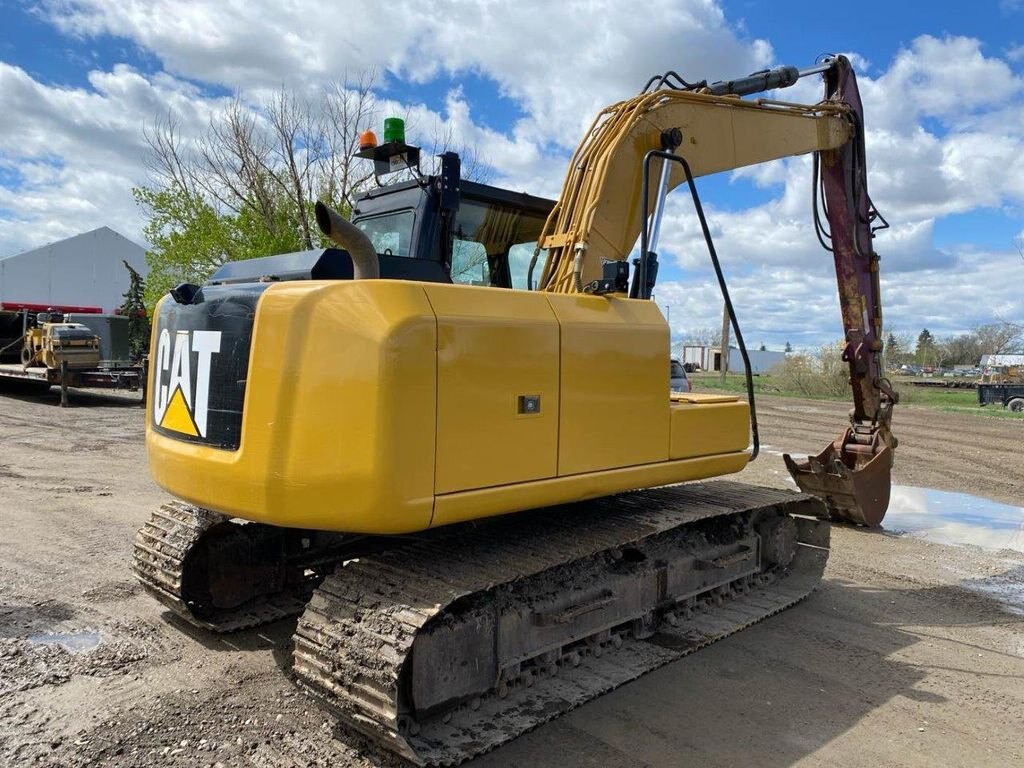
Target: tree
x=789 y=348
x=704 y=337
x=134 y=308
x=926 y=352
x=999 y=338
x=899 y=348
x=892 y=349
x=763 y=348
x=248 y=185
x=188 y=239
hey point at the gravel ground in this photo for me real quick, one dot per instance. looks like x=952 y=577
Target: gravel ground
x=901 y=658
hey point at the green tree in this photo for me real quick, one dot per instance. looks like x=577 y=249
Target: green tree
x=247 y=186
x=927 y=350
x=134 y=308
x=892 y=349
x=188 y=239
x=789 y=348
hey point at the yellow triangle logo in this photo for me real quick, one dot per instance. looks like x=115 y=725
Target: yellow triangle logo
x=177 y=417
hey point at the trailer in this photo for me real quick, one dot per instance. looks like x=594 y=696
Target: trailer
x=130 y=378
x=1009 y=395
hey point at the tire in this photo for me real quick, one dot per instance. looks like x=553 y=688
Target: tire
x=1015 y=404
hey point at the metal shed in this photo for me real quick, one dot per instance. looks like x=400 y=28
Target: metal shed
x=81 y=273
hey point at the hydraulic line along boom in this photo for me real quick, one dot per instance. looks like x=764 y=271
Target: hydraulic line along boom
x=714 y=131
x=853 y=473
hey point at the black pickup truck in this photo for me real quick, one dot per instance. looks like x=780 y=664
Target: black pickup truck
x=1009 y=395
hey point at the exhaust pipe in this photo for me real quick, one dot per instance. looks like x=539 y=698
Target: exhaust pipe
x=365 y=265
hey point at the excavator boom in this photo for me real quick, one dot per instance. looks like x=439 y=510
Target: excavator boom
x=599 y=216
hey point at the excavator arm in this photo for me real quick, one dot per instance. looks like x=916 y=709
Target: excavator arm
x=600 y=214
x=853 y=473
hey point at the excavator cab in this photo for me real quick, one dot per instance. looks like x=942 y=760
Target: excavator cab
x=476 y=235
x=435 y=229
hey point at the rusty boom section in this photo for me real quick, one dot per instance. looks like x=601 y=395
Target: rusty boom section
x=852 y=473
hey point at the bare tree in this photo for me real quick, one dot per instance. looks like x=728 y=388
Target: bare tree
x=999 y=338
x=271 y=161
x=704 y=337
x=247 y=185
x=349 y=109
x=474 y=165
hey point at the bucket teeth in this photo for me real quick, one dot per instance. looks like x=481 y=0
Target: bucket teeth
x=854 y=486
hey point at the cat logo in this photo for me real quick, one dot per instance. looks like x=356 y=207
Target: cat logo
x=180 y=400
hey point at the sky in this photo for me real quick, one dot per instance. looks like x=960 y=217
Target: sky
x=520 y=82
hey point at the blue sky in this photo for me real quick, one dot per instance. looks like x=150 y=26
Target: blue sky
x=943 y=90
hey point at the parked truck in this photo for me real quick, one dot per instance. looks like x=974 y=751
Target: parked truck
x=1010 y=395
x=1002 y=384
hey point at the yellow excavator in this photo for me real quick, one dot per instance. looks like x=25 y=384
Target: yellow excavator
x=347 y=430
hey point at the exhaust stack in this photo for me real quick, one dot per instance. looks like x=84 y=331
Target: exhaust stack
x=340 y=230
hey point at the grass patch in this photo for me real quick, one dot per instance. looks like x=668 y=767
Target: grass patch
x=940 y=398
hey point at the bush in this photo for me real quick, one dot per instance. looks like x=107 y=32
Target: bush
x=823 y=374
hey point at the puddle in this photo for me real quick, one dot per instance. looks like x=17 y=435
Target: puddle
x=955 y=518
x=85 y=640
x=945 y=517
x=958 y=519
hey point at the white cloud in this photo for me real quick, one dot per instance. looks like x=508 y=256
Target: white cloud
x=561 y=61
x=79 y=151
x=918 y=173
x=777 y=304
x=945 y=128
x=559 y=65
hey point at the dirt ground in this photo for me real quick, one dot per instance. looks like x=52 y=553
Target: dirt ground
x=894 y=661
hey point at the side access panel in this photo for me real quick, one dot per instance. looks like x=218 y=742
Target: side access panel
x=497 y=387
x=707 y=424
x=614 y=383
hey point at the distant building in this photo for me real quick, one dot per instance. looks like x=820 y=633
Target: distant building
x=1001 y=361
x=710 y=358
x=83 y=273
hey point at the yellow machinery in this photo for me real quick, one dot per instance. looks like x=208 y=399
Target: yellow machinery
x=50 y=344
x=422 y=381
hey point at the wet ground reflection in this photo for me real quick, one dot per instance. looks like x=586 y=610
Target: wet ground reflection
x=73 y=641
x=955 y=518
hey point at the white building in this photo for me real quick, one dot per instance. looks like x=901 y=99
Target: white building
x=84 y=273
x=1001 y=361
x=710 y=358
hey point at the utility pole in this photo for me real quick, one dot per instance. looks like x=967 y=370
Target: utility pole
x=724 y=354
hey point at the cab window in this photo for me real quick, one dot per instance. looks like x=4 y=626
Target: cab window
x=391 y=233
x=494 y=244
x=519 y=258
x=470 y=265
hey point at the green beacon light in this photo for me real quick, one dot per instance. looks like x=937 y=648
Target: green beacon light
x=394 y=130
x=393 y=154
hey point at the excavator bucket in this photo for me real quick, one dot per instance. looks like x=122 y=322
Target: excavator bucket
x=852 y=480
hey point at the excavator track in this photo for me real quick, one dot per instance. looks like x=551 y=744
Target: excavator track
x=165 y=562
x=465 y=638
